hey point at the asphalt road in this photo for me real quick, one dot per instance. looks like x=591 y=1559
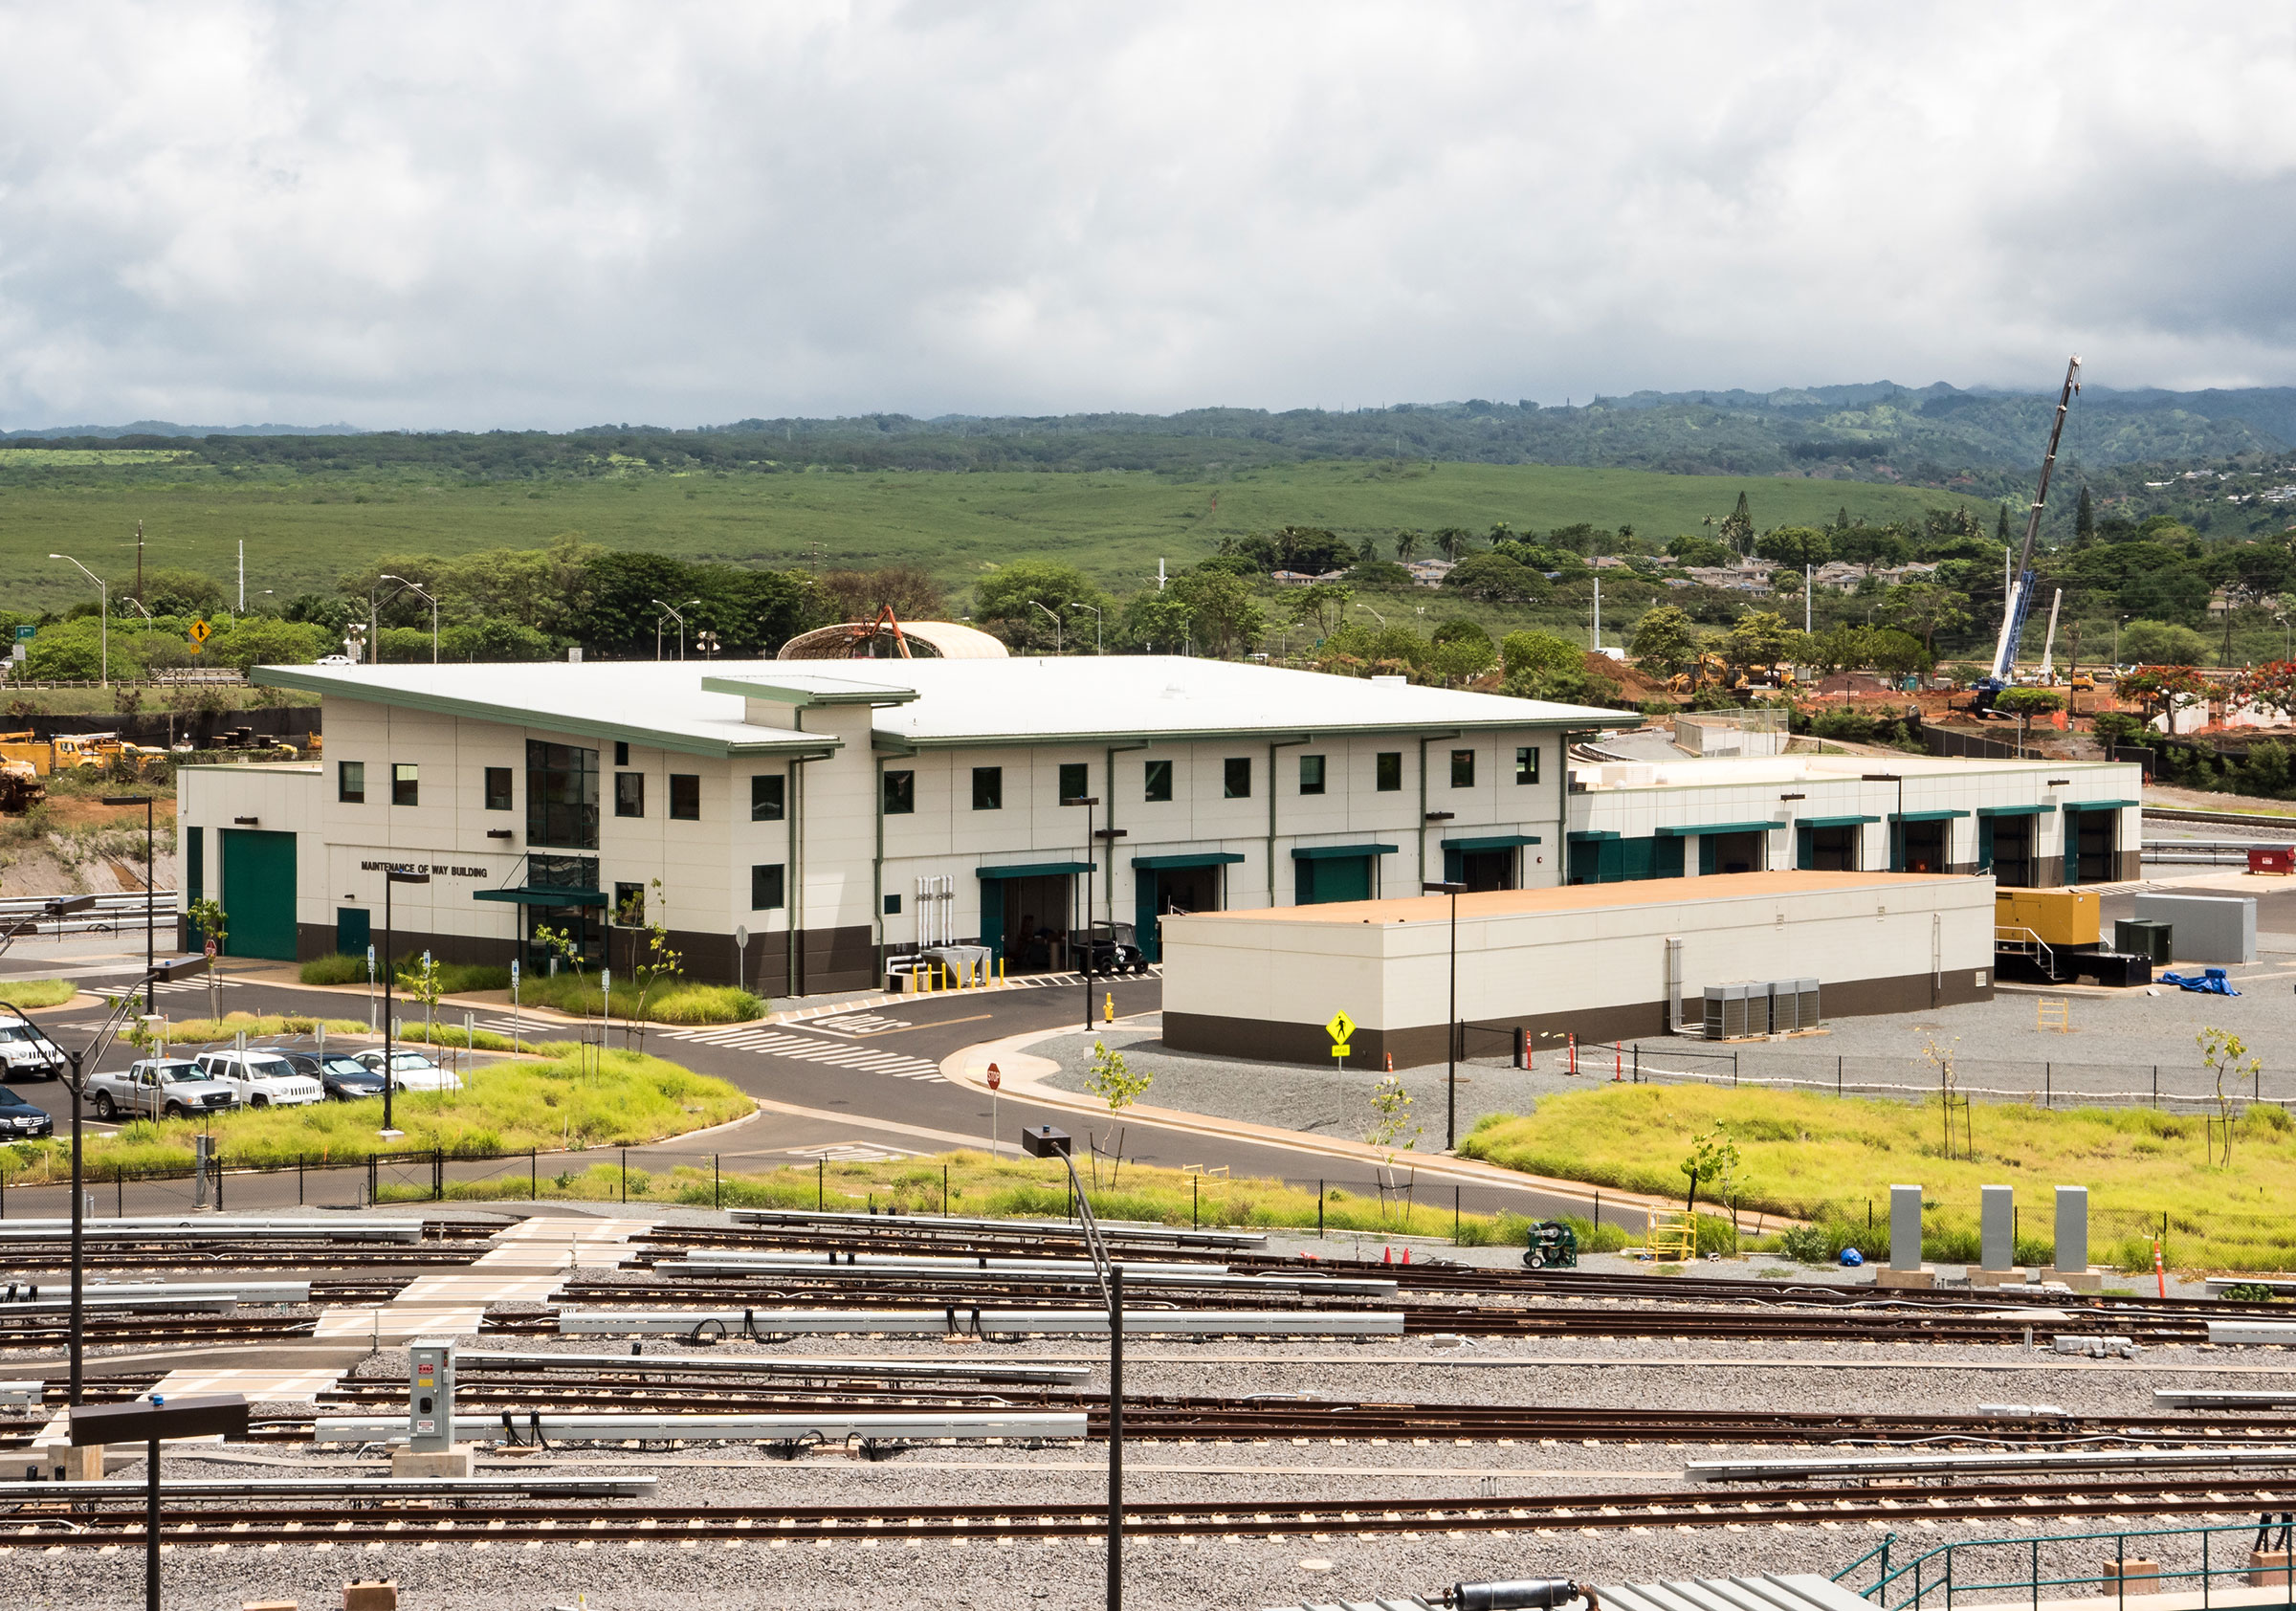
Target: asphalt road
x=866 y=1083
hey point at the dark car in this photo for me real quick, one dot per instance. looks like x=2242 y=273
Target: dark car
x=20 y=1120
x=1107 y=948
x=345 y=1078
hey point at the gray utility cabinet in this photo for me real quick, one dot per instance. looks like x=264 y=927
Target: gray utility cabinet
x=1743 y=1010
x=2208 y=928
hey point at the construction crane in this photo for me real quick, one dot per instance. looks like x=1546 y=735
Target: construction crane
x=2020 y=601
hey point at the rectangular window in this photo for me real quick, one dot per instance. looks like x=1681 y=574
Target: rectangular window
x=1159 y=786
x=350 y=781
x=404 y=786
x=765 y=888
x=767 y=797
x=561 y=796
x=630 y=794
x=900 y=794
x=629 y=905
x=892 y=906
x=1236 y=780
x=989 y=788
x=1075 y=781
x=1526 y=763
x=621 y=752
x=1311 y=774
x=497 y=788
x=1462 y=768
x=1390 y=771
x=685 y=797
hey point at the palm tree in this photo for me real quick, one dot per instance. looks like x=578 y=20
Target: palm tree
x=1406 y=546
x=1454 y=541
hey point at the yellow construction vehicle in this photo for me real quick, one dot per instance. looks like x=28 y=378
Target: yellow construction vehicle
x=20 y=786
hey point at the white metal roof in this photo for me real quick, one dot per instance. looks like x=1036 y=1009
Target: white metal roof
x=1043 y=700
x=698 y=706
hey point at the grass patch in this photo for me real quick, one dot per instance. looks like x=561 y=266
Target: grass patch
x=335 y=969
x=1828 y=1161
x=620 y=1099
x=673 y=1002
x=36 y=992
x=205 y=1031
x=455 y=979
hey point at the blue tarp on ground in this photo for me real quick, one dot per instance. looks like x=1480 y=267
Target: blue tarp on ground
x=2210 y=981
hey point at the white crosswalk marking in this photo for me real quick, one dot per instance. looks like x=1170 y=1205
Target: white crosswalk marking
x=806 y=1049
x=175 y=987
x=855 y=1152
x=858 y=1023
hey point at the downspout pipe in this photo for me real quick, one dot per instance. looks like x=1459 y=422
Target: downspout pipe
x=1275 y=744
x=1108 y=796
x=1424 y=739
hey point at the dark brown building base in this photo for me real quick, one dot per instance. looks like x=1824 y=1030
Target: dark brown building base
x=829 y=959
x=1263 y=1041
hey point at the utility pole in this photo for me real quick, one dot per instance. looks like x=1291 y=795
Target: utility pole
x=242 y=577
x=139 y=561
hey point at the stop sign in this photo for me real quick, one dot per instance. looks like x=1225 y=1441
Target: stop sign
x=995 y=1079
x=211 y=948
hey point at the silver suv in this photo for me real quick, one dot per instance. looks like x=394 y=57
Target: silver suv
x=261 y=1078
x=158 y=1087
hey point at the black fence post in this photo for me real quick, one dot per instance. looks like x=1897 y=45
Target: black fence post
x=717 y=1190
x=119 y=1191
x=299 y=1179
x=219 y=1183
x=626 y=1173
x=1319 y=1195
x=821 y=1184
x=1454 y=1216
x=1734 y=1069
x=438 y=1174
x=373 y=1185
x=533 y=1175
x=944 y=1190
x=2156 y=1085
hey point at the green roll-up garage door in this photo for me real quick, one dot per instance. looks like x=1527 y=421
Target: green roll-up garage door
x=258 y=894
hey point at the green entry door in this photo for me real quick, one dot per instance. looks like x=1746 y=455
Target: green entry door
x=1323 y=879
x=258 y=894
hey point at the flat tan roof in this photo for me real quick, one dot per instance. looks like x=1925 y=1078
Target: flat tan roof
x=1583 y=897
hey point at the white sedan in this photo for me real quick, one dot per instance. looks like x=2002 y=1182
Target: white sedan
x=411 y=1071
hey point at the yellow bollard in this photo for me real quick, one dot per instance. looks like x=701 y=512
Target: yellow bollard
x=1108 y=1009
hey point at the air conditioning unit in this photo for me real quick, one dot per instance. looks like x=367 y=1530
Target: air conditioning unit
x=1733 y=1011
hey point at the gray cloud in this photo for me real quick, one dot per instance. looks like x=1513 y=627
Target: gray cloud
x=547 y=215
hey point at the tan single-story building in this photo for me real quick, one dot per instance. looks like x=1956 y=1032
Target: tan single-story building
x=1597 y=961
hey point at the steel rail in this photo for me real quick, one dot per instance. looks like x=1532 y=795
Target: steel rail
x=474 y=1523
x=109 y=1331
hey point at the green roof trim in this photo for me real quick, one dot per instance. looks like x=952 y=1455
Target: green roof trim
x=1763 y=826
x=1925 y=816
x=782 y=744
x=2100 y=805
x=2016 y=810
x=1034 y=869
x=545 y=894
x=1591 y=833
x=1191 y=858
x=1493 y=842
x=1332 y=852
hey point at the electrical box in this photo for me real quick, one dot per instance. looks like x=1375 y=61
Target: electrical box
x=431 y=1395
x=2060 y=917
x=1732 y=1011
x=1793 y=1005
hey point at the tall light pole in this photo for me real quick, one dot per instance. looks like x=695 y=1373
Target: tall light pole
x=103 y=627
x=1450 y=1030
x=1096 y=623
x=390 y=876
x=672 y=611
x=420 y=592
x=1085 y=972
x=1375 y=615
x=151 y=914
x=1055 y=620
x=80 y=1063
x=2287 y=640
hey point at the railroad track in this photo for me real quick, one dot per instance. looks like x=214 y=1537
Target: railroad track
x=109 y=1331
x=1420 y=1318
x=19 y=1257
x=1187 y=1418
x=37 y=1526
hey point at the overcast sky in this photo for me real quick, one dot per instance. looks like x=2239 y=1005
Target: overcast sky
x=472 y=215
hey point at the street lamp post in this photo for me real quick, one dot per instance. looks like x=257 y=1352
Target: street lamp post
x=151 y=914
x=103 y=621
x=1084 y=971
x=1096 y=623
x=422 y=592
x=1375 y=615
x=670 y=610
x=1451 y=1047
x=390 y=876
x=79 y=1063
x=1056 y=626
x=1042 y=1140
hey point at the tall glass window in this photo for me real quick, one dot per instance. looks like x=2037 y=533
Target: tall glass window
x=989 y=788
x=900 y=794
x=1076 y=780
x=1390 y=771
x=1236 y=777
x=1462 y=768
x=350 y=781
x=1158 y=784
x=561 y=796
x=630 y=794
x=768 y=797
x=1526 y=763
x=1311 y=774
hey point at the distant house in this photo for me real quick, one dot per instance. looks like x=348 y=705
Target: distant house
x=1429 y=573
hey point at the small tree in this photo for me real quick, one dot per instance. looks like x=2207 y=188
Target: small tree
x=651 y=960
x=1391 y=1127
x=1115 y=1084
x=1712 y=1156
x=420 y=979
x=211 y=923
x=2026 y=703
x=2222 y=1052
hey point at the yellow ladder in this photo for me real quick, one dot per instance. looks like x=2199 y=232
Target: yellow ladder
x=1672 y=1236
x=2053 y=1012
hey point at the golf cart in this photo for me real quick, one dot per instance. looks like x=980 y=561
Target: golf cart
x=1107 y=948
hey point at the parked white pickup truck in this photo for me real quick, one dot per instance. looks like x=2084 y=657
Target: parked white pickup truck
x=262 y=1079
x=158 y=1087
x=23 y=1051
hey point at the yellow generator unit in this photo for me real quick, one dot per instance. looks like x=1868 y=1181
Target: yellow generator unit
x=2058 y=917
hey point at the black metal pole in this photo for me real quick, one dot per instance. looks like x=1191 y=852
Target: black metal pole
x=1115 y=1437
x=388 y=1080
x=151 y=1526
x=151 y=990
x=79 y=1247
x=1085 y=971
x=1450 y=1097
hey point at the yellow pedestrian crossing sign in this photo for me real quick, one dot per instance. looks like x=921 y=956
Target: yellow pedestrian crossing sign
x=1339 y=1028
